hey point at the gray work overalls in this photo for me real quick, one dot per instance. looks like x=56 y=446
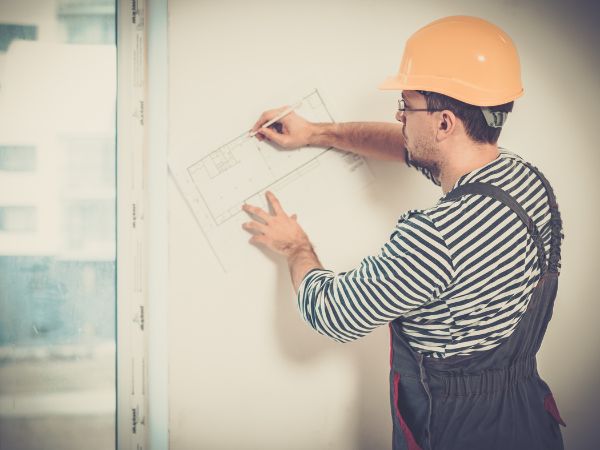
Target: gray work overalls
x=491 y=399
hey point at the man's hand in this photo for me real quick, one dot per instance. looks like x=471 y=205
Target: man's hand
x=278 y=232
x=282 y=234
x=295 y=131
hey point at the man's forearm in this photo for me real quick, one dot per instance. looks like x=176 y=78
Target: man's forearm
x=378 y=140
x=301 y=261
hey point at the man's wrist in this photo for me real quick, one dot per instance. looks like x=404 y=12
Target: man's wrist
x=301 y=260
x=322 y=135
x=300 y=250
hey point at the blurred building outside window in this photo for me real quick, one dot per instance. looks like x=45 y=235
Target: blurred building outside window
x=57 y=224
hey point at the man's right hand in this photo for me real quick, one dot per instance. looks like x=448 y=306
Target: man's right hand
x=295 y=130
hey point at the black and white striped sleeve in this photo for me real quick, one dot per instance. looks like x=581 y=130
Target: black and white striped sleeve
x=411 y=269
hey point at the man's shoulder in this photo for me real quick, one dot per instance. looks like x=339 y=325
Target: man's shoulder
x=417 y=233
x=419 y=221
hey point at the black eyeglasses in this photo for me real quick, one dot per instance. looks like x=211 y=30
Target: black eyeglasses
x=402 y=107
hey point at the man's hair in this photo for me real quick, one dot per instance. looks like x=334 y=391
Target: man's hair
x=471 y=116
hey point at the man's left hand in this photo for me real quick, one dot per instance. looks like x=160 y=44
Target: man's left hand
x=278 y=231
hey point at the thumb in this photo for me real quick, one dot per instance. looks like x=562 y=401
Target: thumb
x=274 y=136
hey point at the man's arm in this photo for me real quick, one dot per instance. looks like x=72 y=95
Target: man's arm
x=300 y=263
x=402 y=277
x=413 y=268
x=378 y=140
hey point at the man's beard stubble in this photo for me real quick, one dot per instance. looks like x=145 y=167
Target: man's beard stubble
x=427 y=162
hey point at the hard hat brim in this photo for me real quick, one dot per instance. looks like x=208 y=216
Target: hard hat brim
x=460 y=91
x=394 y=84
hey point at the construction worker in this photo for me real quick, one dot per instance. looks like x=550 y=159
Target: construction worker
x=467 y=286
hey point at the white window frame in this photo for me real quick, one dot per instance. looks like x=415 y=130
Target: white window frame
x=142 y=252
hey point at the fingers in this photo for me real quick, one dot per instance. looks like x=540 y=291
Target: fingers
x=258 y=239
x=263 y=215
x=266 y=116
x=272 y=135
x=258 y=212
x=274 y=202
x=255 y=227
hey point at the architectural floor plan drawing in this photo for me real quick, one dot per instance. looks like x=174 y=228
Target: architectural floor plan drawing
x=217 y=184
x=243 y=167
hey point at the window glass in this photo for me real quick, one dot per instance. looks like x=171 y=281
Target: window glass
x=18 y=158
x=57 y=224
x=14 y=219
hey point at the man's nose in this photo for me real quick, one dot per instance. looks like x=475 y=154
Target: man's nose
x=400 y=116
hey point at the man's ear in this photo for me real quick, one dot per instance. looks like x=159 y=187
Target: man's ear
x=446 y=125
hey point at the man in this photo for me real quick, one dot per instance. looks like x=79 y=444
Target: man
x=466 y=286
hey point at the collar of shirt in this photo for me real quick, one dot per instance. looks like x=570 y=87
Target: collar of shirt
x=474 y=175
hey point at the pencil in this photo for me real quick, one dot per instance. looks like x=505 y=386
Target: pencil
x=278 y=117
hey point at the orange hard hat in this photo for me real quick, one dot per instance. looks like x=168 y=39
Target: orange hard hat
x=466 y=58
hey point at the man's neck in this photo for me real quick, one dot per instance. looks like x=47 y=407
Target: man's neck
x=464 y=159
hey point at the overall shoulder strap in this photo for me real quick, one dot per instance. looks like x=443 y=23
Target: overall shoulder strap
x=502 y=196
x=556 y=232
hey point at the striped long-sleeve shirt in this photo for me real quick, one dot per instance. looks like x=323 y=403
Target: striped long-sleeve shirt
x=459 y=275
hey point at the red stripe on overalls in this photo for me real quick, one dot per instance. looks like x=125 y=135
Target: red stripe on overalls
x=410 y=439
x=550 y=406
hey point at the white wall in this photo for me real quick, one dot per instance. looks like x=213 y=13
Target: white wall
x=244 y=370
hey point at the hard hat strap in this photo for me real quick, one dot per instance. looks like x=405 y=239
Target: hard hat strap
x=494 y=119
